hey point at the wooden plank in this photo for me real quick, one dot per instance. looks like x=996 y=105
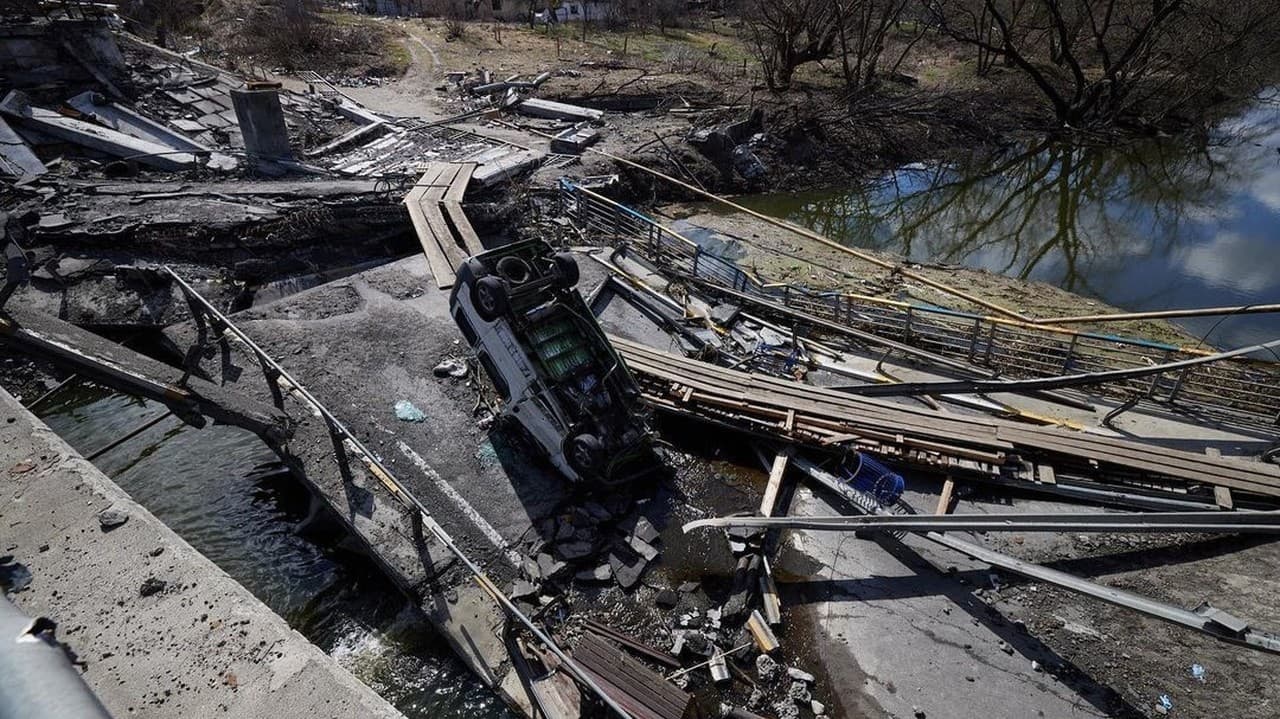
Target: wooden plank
x=769 y=595
x=1046 y=475
x=458 y=188
x=632 y=644
x=442 y=181
x=775 y=483
x=470 y=239
x=760 y=632
x=1221 y=495
x=944 y=499
x=436 y=260
x=1126 y=453
x=440 y=231
x=641 y=691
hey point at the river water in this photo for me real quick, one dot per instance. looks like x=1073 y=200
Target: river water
x=202 y=484
x=1159 y=224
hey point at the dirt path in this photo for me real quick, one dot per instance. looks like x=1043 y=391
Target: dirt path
x=414 y=94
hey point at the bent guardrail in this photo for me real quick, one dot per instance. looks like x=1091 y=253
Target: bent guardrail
x=1246 y=391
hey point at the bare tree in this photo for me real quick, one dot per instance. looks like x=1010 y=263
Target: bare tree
x=789 y=33
x=1096 y=61
x=864 y=27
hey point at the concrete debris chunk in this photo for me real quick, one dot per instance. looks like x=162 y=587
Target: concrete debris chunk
x=627 y=572
x=520 y=589
x=766 y=667
x=452 y=367
x=151 y=586
x=643 y=548
x=551 y=110
x=17 y=159
x=111 y=517
x=602 y=573
x=549 y=566
x=800 y=675
x=574 y=550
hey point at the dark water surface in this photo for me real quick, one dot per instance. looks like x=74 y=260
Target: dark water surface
x=1158 y=224
x=197 y=481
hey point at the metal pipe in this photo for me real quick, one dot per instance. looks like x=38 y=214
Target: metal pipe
x=1205 y=618
x=1047 y=383
x=1163 y=314
x=429 y=522
x=37 y=680
x=1199 y=522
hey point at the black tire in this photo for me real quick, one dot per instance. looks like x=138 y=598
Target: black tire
x=585 y=453
x=566 y=270
x=489 y=297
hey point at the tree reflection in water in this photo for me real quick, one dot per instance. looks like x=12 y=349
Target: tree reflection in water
x=1154 y=224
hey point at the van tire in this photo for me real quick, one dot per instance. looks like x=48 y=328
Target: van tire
x=489 y=297
x=585 y=453
x=566 y=270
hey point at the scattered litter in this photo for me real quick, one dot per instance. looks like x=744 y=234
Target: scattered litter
x=406 y=412
x=1198 y=673
x=1164 y=705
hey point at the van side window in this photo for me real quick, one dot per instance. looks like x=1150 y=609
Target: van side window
x=467 y=330
x=499 y=382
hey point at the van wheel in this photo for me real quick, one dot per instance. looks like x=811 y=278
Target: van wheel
x=585 y=453
x=489 y=295
x=566 y=270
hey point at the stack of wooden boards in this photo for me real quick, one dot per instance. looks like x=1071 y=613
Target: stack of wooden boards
x=644 y=693
x=949 y=442
x=435 y=207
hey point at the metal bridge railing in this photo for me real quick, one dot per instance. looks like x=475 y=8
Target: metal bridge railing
x=1246 y=390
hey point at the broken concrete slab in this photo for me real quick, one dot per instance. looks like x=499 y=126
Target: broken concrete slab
x=506 y=166
x=627 y=570
x=16 y=105
x=16 y=157
x=574 y=140
x=122 y=119
x=552 y=110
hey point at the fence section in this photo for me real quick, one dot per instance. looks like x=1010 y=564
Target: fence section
x=1246 y=390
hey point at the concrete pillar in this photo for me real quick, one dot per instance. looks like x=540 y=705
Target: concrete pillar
x=262 y=121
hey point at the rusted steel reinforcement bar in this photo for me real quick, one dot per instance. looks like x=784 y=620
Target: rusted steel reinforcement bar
x=1205 y=618
x=402 y=492
x=1198 y=522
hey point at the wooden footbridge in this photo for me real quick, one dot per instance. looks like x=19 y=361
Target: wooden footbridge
x=435 y=206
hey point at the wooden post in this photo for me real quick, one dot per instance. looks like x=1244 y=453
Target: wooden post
x=1221 y=495
x=769 y=595
x=775 y=483
x=944 y=499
